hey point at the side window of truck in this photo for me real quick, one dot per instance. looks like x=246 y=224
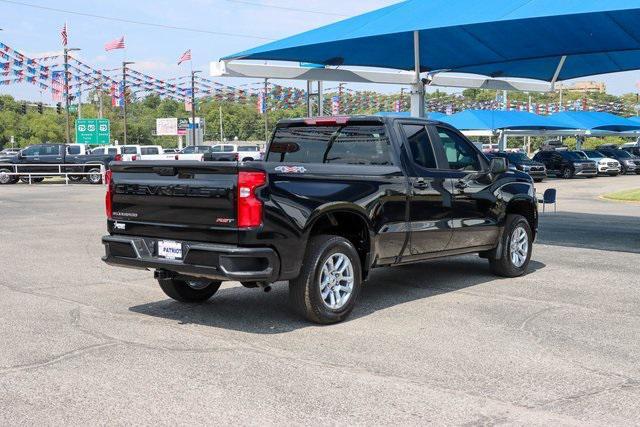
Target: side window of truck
x=31 y=151
x=420 y=145
x=73 y=149
x=460 y=154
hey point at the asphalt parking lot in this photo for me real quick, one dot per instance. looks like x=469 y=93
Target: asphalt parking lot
x=439 y=342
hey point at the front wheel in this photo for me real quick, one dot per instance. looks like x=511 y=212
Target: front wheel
x=517 y=245
x=330 y=280
x=567 y=173
x=194 y=290
x=538 y=179
x=5 y=178
x=76 y=178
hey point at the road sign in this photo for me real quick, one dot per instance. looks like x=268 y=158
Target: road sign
x=183 y=126
x=93 y=131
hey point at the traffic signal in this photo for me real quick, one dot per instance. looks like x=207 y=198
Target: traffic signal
x=40 y=107
x=23 y=108
x=59 y=107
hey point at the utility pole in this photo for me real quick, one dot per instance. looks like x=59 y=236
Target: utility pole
x=80 y=100
x=66 y=51
x=124 y=99
x=340 y=92
x=221 y=131
x=266 y=111
x=193 y=107
x=401 y=99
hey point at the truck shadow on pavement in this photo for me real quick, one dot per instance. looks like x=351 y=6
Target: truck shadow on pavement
x=253 y=311
x=593 y=231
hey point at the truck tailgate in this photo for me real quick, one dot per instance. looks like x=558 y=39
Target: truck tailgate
x=175 y=199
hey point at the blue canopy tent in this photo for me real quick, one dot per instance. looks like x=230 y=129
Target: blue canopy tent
x=593 y=122
x=548 y=40
x=494 y=120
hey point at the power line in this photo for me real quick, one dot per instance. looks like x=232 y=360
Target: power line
x=292 y=9
x=130 y=21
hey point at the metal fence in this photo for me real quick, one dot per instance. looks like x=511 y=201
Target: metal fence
x=53 y=170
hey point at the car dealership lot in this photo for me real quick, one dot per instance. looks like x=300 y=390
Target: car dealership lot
x=443 y=341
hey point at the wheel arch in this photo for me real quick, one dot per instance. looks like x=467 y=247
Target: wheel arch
x=345 y=220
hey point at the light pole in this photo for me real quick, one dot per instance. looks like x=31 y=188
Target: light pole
x=193 y=106
x=66 y=89
x=124 y=98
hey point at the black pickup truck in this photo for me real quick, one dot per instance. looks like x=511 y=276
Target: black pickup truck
x=334 y=198
x=45 y=158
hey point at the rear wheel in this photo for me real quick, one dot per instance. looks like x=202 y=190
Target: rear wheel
x=95 y=176
x=193 y=290
x=538 y=179
x=76 y=178
x=517 y=244
x=330 y=280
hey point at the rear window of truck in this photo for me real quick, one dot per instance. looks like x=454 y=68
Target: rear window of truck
x=353 y=145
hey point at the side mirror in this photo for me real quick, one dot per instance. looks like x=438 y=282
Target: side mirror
x=20 y=155
x=498 y=166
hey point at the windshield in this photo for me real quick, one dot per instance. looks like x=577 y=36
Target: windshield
x=593 y=154
x=574 y=155
x=354 y=145
x=518 y=157
x=623 y=154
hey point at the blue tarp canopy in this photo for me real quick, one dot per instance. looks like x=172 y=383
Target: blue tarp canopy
x=595 y=121
x=493 y=120
x=498 y=38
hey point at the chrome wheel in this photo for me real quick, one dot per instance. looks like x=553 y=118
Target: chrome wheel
x=95 y=176
x=336 y=281
x=519 y=247
x=198 y=284
x=5 y=178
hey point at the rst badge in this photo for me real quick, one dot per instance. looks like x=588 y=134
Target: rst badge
x=291 y=169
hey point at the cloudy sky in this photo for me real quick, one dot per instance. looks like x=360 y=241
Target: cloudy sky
x=230 y=26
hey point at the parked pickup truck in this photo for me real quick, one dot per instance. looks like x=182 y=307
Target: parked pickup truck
x=334 y=198
x=45 y=158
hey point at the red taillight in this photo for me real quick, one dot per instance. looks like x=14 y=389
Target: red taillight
x=249 y=206
x=118 y=158
x=177 y=157
x=134 y=158
x=327 y=121
x=108 y=199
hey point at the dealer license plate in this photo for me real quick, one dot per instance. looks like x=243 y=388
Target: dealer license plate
x=169 y=249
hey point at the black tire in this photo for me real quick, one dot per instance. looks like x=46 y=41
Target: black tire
x=305 y=295
x=34 y=180
x=195 y=290
x=7 y=179
x=504 y=266
x=95 y=177
x=538 y=179
x=76 y=178
x=567 y=173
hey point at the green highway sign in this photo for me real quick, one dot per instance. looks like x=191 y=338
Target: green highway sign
x=93 y=131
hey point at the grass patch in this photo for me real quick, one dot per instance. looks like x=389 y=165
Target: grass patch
x=626 y=195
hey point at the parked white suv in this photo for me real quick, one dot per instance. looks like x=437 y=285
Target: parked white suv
x=606 y=165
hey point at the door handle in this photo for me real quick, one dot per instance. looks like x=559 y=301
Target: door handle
x=420 y=183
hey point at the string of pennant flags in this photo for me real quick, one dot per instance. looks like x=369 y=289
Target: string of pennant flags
x=47 y=74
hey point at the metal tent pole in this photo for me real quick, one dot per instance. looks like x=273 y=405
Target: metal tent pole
x=417 y=88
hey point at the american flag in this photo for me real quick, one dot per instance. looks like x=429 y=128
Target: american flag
x=63 y=34
x=185 y=57
x=115 y=44
x=57 y=85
